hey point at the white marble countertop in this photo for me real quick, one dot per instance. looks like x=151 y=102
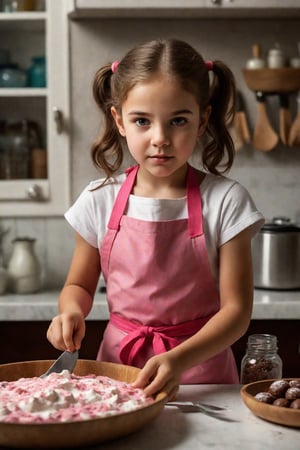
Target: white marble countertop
x=174 y=429
x=42 y=306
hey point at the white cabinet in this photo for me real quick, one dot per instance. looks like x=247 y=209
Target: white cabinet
x=257 y=4
x=26 y=34
x=185 y=9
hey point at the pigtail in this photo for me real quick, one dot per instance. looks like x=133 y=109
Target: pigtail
x=219 y=152
x=106 y=151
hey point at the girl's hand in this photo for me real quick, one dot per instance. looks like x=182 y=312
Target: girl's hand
x=160 y=373
x=66 y=331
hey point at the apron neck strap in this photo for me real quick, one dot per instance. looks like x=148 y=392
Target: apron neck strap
x=122 y=198
x=194 y=202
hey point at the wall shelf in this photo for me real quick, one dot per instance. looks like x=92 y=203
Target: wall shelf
x=284 y=80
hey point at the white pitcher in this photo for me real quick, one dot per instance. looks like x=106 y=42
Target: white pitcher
x=24 y=268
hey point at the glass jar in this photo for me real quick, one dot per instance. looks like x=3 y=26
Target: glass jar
x=19 y=150
x=37 y=72
x=11 y=76
x=261 y=361
x=17 y=5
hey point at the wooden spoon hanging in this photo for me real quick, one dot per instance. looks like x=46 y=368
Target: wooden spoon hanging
x=294 y=136
x=285 y=118
x=241 y=123
x=264 y=136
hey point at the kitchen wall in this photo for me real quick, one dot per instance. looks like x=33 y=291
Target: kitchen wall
x=272 y=178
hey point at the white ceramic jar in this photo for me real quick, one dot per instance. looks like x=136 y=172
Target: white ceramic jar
x=24 y=268
x=276 y=58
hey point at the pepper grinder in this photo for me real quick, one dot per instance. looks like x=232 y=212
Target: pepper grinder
x=24 y=268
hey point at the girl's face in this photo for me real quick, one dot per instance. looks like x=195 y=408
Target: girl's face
x=161 y=123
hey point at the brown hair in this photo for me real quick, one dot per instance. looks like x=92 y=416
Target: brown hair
x=186 y=65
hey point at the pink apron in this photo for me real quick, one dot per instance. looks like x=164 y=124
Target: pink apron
x=160 y=289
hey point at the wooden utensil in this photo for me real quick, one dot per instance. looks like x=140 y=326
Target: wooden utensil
x=264 y=136
x=294 y=136
x=285 y=118
x=242 y=133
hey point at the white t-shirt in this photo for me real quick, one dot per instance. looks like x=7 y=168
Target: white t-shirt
x=227 y=210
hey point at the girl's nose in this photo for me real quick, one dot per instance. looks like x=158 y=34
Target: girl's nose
x=160 y=137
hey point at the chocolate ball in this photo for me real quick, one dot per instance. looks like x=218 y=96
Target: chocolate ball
x=278 y=388
x=295 y=404
x=292 y=393
x=295 y=383
x=264 y=397
x=282 y=402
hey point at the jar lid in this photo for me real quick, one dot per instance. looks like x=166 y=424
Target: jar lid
x=281 y=224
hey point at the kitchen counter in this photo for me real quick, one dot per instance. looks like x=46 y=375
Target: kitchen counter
x=177 y=430
x=174 y=429
x=42 y=306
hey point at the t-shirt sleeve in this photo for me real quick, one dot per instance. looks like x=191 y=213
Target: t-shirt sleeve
x=81 y=217
x=238 y=212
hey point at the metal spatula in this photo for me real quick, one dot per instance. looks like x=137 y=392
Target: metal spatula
x=66 y=361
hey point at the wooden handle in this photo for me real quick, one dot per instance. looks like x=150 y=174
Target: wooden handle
x=294 y=135
x=264 y=137
x=256 y=51
x=285 y=119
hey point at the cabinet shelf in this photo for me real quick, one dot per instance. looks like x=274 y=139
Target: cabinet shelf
x=284 y=80
x=23 y=21
x=23 y=92
x=21 y=16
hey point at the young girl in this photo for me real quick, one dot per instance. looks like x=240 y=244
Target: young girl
x=174 y=241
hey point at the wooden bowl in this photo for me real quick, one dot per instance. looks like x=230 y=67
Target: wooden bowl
x=284 y=80
x=277 y=414
x=80 y=433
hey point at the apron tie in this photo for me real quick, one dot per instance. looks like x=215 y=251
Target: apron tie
x=161 y=338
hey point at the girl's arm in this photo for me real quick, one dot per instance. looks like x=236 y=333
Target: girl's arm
x=67 y=330
x=221 y=331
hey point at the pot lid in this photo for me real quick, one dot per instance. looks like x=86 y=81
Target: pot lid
x=280 y=224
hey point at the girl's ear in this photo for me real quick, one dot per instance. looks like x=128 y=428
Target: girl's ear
x=118 y=120
x=203 y=121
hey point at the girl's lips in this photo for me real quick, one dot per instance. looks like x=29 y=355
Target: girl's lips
x=159 y=159
x=163 y=157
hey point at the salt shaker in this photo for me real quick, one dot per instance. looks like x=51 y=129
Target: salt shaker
x=24 y=267
x=261 y=361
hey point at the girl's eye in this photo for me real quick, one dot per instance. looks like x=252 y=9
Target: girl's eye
x=141 y=122
x=179 y=121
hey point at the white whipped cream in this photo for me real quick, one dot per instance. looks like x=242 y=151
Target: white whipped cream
x=64 y=397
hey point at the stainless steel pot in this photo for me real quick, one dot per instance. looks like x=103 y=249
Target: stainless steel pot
x=276 y=255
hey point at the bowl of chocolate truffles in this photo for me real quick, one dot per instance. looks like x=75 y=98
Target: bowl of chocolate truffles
x=276 y=400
